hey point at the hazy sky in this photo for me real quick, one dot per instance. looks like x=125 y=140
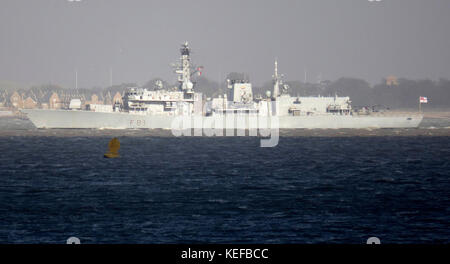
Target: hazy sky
x=46 y=40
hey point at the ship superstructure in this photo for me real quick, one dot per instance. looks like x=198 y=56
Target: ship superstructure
x=238 y=100
x=182 y=101
x=286 y=105
x=278 y=102
x=162 y=106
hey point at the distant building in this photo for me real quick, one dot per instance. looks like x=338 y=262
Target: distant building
x=94 y=100
x=391 y=81
x=3 y=99
x=117 y=98
x=29 y=103
x=54 y=102
x=108 y=99
x=16 y=100
x=65 y=100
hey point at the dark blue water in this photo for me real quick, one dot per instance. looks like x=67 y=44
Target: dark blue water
x=225 y=190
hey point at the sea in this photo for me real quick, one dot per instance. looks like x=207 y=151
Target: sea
x=342 y=186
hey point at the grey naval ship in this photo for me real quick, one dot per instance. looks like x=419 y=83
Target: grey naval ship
x=182 y=108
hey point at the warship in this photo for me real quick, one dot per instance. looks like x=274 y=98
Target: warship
x=182 y=108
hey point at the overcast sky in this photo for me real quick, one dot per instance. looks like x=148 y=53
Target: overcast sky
x=46 y=40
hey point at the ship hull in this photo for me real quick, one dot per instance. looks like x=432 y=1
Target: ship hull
x=356 y=122
x=99 y=120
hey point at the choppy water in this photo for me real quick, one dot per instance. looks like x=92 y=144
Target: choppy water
x=225 y=190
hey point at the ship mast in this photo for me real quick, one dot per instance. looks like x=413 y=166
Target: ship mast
x=184 y=70
x=276 y=82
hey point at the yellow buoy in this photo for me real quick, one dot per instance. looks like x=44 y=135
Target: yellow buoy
x=113 y=146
